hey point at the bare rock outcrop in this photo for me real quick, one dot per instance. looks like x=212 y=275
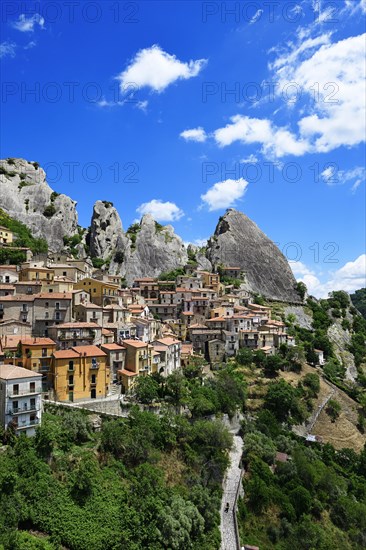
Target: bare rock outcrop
x=26 y=196
x=238 y=242
x=152 y=250
x=199 y=256
x=106 y=235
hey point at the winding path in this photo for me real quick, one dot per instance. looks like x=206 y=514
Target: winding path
x=231 y=484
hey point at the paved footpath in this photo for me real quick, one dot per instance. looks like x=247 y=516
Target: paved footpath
x=227 y=526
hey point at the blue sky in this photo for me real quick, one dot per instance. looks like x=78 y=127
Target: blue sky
x=183 y=109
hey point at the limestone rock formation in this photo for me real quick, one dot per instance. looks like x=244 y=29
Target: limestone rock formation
x=106 y=233
x=238 y=242
x=199 y=254
x=26 y=196
x=153 y=249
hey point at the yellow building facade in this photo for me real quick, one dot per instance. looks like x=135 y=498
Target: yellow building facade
x=101 y=292
x=6 y=236
x=80 y=374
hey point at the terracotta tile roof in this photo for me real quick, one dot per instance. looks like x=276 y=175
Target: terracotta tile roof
x=11 y=372
x=13 y=340
x=80 y=324
x=18 y=298
x=8 y=267
x=89 y=351
x=113 y=347
x=134 y=343
x=65 y=354
x=187 y=349
x=182 y=289
x=168 y=341
x=53 y=296
x=127 y=372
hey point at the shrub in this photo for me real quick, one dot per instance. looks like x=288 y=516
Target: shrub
x=49 y=211
x=98 y=262
x=119 y=257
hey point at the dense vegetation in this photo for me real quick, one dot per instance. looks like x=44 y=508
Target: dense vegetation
x=313 y=498
x=359 y=300
x=148 y=481
x=144 y=482
x=22 y=238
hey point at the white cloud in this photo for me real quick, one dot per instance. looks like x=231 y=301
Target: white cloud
x=252 y=159
x=161 y=211
x=333 y=75
x=7 y=49
x=156 y=69
x=224 y=194
x=353 y=6
x=275 y=141
x=255 y=17
x=142 y=105
x=28 y=24
x=349 y=277
x=194 y=134
x=197 y=242
x=30 y=45
x=332 y=176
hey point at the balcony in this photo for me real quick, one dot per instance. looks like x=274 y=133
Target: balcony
x=22 y=393
x=76 y=336
x=94 y=366
x=24 y=409
x=29 y=424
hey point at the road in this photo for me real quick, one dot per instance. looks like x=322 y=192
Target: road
x=231 y=482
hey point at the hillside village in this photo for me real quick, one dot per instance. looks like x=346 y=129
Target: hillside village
x=85 y=335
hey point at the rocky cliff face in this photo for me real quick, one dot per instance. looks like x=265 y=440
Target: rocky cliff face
x=106 y=232
x=151 y=250
x=26 y=196
x=238 y=242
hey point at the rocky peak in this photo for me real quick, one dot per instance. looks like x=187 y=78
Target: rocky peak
x=239 y=242
x=106 y=232
x=153 y=249
x=27 y=197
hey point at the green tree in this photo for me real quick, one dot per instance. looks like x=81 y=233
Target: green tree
x=333 y=409
x=146 y=389
x=280 y=399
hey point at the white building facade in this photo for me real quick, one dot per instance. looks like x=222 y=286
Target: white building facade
x=20 y=399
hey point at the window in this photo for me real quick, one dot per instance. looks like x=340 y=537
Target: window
x=71 y=365
x=15 y=389
x=7 y=279
x=71 y=380
x=32 y=387
x=93 y=379
x=32 y=403
x=44 y=352
x=46 y=304
x=64 y=273
x=15 y=406
x=57 y=316
x=57 y=305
